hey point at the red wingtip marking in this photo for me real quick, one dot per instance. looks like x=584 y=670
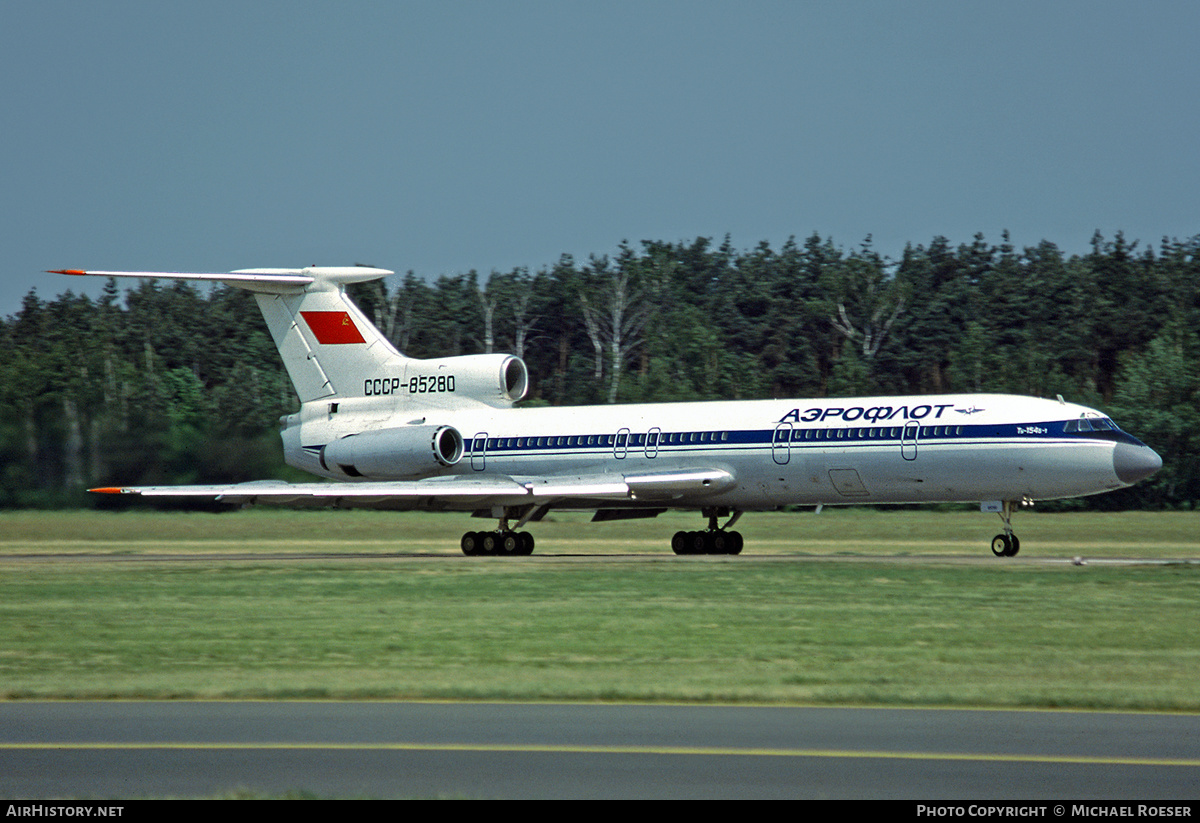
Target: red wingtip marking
x=108 y=490
x=66 y=271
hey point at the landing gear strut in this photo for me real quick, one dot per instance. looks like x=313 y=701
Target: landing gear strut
x=1006 y=544
x=714 y=540
x=502 y=541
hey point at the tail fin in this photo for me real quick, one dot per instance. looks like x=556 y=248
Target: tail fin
x=327 y=344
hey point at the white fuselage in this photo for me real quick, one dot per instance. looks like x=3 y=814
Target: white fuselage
x=951 y=448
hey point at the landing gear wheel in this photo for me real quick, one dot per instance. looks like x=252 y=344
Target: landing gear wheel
x=1000 y=545
x=1005 y=545
x=717 y=541
x=472 y=544
x=504 y=542
x=510 y=543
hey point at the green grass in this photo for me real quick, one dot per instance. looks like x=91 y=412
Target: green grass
x=754 y=628
x=834 y=531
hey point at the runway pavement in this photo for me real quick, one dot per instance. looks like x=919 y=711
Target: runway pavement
x=129 y=750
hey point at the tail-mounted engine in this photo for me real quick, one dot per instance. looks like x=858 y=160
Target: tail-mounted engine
x=498 y=380
x=393 y=454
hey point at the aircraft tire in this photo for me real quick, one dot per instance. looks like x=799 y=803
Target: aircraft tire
x=510 y=543
x=526 y=548
x=734 y=543
x=1004 y=545
x=472 y=544
x=679 y=543
x=491 y=543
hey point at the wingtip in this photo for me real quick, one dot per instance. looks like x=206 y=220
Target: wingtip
x=66 y=271
x=108 y=490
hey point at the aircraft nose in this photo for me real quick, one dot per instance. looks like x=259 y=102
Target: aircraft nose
x=1134 y=462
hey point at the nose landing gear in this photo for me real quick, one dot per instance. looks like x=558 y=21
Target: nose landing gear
x=1006 y=544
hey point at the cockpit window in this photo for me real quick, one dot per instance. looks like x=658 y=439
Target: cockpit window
x=1089 y=424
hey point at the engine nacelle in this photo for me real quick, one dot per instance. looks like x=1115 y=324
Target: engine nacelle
x=393 y=454
x=495 y=379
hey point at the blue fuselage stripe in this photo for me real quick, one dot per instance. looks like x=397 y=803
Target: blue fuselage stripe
x=787 y=436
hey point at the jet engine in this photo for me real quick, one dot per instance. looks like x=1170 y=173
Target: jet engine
x=498 y=380
x=393 y=454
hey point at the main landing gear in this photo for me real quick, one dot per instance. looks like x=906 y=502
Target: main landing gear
x=714 y=540
x=1007 y=544
x=505 y=542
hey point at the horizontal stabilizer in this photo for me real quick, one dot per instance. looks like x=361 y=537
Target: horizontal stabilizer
x=279 y=281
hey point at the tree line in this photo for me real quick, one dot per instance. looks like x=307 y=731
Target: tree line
x=169 y=384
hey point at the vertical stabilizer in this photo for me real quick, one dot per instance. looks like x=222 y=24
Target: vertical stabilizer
x=327 y=344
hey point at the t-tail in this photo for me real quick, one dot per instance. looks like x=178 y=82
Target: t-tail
x=332 y=352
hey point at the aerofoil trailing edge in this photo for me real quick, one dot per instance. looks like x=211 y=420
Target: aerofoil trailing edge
x=396 y=432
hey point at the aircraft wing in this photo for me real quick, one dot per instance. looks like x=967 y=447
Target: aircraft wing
x=460 y=491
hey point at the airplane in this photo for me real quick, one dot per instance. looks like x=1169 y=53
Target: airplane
x=443 y=434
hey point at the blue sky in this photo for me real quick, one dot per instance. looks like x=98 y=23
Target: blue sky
x=456 y=135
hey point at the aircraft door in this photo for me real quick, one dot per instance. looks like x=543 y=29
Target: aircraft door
x=479 y=452
x=652 y=442
x=908 y=440
x=781 y=444
x=621 y=444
